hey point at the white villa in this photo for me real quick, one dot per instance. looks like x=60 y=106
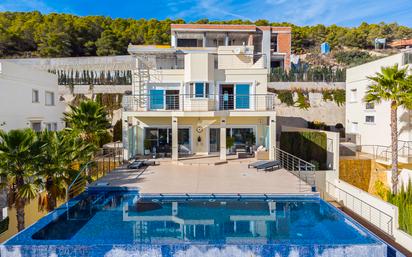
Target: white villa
x=208 y=86
x=32 y=95
x=370 y=123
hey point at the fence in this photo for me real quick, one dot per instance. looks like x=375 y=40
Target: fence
x=104 y=162
x=372 y=214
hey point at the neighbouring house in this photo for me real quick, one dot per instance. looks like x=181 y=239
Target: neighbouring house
x=368 y=124
x=29 y=99
x=208 y=87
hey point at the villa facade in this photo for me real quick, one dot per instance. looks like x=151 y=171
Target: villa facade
x=210 y=85
x=370 y=123
x=32 y=95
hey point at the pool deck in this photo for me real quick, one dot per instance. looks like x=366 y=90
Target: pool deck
x=233 y=177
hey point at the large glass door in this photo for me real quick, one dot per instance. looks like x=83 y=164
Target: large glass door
x=214 y=140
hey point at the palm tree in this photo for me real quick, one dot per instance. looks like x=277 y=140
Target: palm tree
x=394 y=85
x=18 y=152
x=59 y=152
x=88 y=120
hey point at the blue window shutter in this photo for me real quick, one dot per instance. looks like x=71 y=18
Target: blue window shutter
x=156 y=99
x=199 y=90
x=242 y=96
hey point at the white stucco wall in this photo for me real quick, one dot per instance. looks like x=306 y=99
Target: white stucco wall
x=377 y=133
x=16 y=107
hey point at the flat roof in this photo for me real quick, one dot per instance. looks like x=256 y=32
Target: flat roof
x=226 y=27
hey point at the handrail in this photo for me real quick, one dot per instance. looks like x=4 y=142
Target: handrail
x=389 y=224
x=302 y=169
x=383 y=151
x=76 y=178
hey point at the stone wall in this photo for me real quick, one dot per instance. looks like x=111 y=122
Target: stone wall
x=328 y=112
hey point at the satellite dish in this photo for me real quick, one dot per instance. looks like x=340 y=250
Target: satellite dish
x=237 y=50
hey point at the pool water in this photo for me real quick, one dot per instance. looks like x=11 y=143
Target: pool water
x=120 y=223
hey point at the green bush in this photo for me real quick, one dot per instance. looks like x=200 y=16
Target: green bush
x=403 y=200
x=307 y=145
x=354 y=57
x=286 y=97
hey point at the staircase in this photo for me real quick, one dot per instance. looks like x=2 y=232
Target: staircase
x=146 y=72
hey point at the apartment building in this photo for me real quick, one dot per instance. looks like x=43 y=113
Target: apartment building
x=274 y=43
x=208 y=87
x=370 y=123
x=29 y=99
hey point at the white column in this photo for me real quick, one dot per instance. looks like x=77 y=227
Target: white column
x=204 y=39
x=226 y=39
x=272 y=136
x=125 y=137
x=173 y=39
x=175 y=146
x=223 y=139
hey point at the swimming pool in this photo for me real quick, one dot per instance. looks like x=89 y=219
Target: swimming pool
x=120 y=223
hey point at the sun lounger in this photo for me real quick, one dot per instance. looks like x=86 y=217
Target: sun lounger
x=255 y=164
x=136 y=165
x=268 y=166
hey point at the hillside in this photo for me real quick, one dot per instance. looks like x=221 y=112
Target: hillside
x=32 y=34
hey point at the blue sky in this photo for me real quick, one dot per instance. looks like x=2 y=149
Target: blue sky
x=301 y=12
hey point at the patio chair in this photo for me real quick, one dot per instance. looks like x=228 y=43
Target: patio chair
x=268 y=166
x=255 y=164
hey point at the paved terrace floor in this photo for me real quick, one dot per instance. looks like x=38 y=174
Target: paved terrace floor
x=233 y=177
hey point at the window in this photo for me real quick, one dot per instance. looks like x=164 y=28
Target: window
x=35 y=96
x=201 y=89
x=370 y=119
x=156 y=99
x=36 y=125
x=353 y=95
x=51 y=126
x=49 y=98
x=370 y=106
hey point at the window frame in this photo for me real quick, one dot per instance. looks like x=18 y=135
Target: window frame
x=35 y=92
x=205 y=89
x=53 y=103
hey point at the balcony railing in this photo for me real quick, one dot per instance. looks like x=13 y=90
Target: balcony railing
x=191 y=102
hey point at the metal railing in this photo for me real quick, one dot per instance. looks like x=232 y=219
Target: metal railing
x=373 y=215
x=193 y=102
x=302 y=169
x=105 y=161
x=384 y=152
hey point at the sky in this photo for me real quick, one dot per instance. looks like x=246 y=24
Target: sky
x=300 y=12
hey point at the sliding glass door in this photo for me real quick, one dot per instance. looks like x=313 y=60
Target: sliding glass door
x=159 y=140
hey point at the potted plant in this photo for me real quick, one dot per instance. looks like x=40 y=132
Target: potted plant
x=230 y=142
x=147 y=146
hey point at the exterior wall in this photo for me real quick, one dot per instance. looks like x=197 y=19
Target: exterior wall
x=259 y=124
x=328 y=112
x=377 y=133
x=284 y=46
x=199 y=67
x=16 y=107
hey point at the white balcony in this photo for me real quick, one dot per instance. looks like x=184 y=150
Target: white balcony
x=192 y=103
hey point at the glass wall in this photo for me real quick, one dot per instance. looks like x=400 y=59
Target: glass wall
x=159 y=140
